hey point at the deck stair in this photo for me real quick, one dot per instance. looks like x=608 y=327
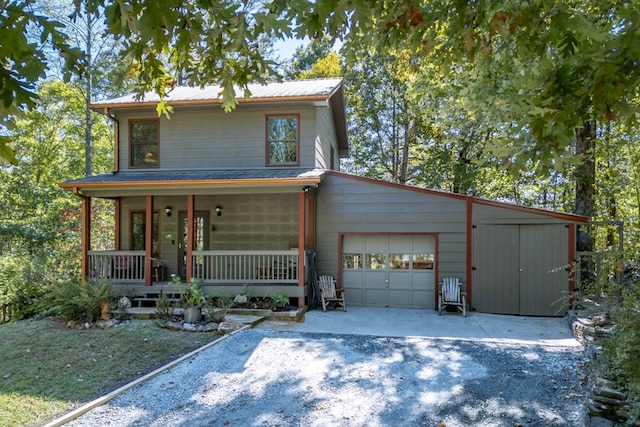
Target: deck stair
x=150 y=299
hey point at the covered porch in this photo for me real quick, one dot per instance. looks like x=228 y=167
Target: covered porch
x=255 y=233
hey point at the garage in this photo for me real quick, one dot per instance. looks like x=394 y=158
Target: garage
x=389 y=270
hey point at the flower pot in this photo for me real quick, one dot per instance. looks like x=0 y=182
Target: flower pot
x=192 y=314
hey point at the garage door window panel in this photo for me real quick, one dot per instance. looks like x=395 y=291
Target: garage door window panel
x=423 y=261
x=376 y=261
x=352 y=261
x=399 y=261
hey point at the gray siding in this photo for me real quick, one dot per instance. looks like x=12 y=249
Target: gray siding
x=348 y=204
x=206 y=138
x=486 y=214
x=250 y=222
x=326 y=138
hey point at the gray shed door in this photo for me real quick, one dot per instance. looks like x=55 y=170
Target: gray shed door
x=519 y=269
x=389 y=270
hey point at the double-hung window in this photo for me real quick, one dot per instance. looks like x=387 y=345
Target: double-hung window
x=144 y=143
x=283 y=140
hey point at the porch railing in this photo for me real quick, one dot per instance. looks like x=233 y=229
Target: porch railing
x=246 y=266
x=123 y=266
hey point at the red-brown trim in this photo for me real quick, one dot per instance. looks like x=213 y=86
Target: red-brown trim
x=191 y=204
x=200 y=183
x=302 y=202
x=117 y=222
x=148 y=252
x=266 y=139
x=131 y=165
x=469 y=278
x=85 y=213
x=311 y=233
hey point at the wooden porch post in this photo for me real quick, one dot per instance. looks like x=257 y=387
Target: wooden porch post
x=85 y=213
x=190 y=234
x=117 y=225
x=302 y=203
x=148 y=244
x=311 y=230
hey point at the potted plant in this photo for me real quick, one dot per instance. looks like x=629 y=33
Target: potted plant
x=192 y=298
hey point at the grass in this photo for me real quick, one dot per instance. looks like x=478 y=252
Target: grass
x=48 y=369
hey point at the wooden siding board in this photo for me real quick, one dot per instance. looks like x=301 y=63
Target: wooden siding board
x=349 y=205
x=325 y=138
x=484 y=214
x=210 y=138
x=253 y=221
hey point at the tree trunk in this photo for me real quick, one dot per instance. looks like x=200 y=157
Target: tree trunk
x=585 y=177
x=88 y=125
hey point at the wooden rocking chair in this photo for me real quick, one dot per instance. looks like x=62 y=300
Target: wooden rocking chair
x=329 y=293
x=451 y=294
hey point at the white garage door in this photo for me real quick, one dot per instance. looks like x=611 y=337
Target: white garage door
x=389 y=270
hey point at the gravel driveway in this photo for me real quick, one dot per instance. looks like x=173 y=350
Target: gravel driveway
x=269 y=378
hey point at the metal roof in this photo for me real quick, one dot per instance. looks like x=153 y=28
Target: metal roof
x=324 y=88
x=161 y=182
x=196 y=175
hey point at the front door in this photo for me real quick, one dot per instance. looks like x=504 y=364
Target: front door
x=201 y=239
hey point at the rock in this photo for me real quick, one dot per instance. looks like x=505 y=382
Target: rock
x=228 y=327
x=106 y=324
x=600 y=422
x=189 y=327
x=609 y=392
x=240 y=299
x=125 y=302
x=173 y=326
x=210 y=327
x=607 y=400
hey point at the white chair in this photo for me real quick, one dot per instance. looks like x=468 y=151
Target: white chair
x=329 y=293
x=451 y=294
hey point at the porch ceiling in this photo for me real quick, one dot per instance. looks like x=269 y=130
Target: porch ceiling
x=167 y=183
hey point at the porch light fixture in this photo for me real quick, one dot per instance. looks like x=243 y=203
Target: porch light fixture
x=167 y=210
x=219 y=210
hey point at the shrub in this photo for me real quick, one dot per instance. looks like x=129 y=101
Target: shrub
x=217 y=308
x=621 y=349
x=279 y=300
x=73 y=300
x=22 y=283
x=164 y=308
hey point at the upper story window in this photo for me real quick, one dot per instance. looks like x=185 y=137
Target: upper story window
x=144 y=143
x=283 y=140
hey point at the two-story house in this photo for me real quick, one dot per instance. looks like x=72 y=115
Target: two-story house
x=255 y=198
